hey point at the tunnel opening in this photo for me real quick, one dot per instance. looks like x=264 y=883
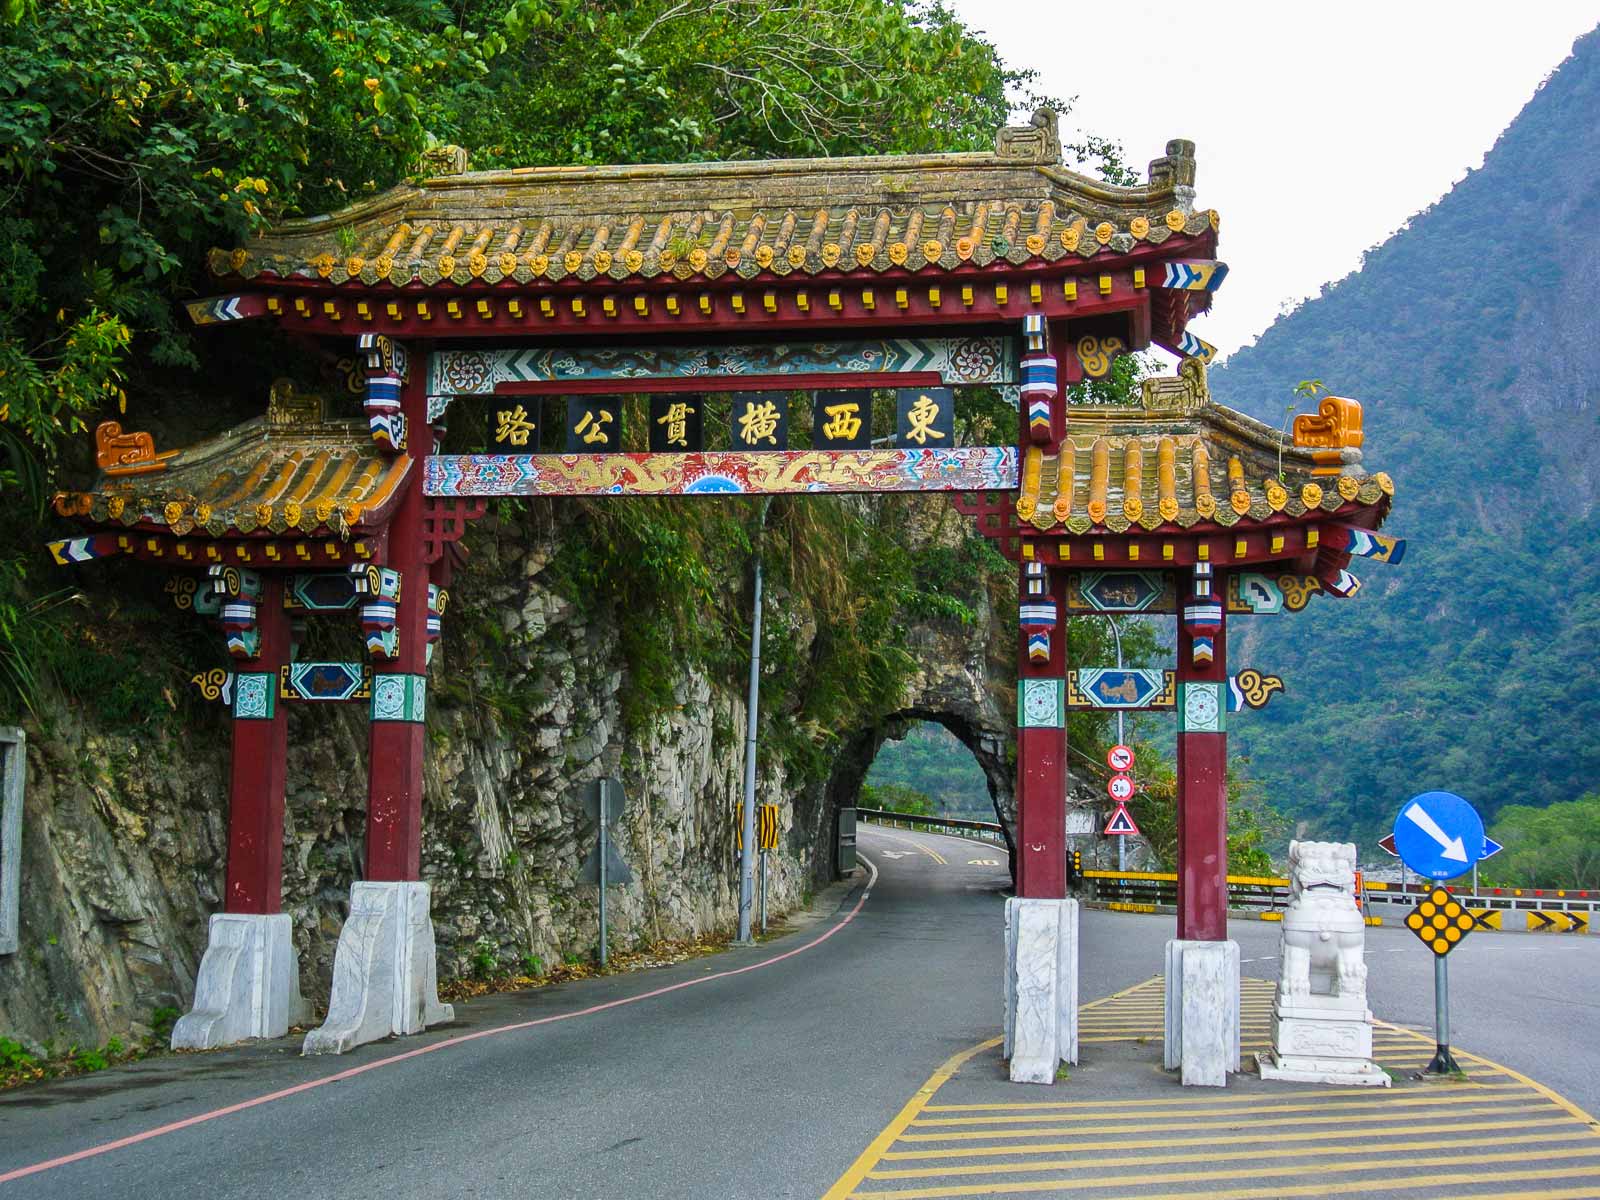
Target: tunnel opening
x=979 y=760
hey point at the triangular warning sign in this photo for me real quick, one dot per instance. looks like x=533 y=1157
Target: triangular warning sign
x=1121 y=824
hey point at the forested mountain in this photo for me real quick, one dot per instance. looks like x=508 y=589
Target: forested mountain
x=1471 y=339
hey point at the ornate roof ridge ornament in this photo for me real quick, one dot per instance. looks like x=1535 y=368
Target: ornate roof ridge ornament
x=1039 y=141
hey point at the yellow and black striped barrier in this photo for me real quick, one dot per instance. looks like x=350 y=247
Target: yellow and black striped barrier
x=766 y=827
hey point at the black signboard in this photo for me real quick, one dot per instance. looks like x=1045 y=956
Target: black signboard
x=759 y=420
x=675 y=423
x=594 y=424
x=925 y=418
x=842 y=421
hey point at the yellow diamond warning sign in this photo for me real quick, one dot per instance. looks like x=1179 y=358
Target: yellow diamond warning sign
x=1440 y=922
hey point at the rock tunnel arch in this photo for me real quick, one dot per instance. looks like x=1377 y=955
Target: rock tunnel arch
x=990 y=742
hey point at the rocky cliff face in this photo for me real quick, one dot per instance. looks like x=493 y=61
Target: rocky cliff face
x=124 y=833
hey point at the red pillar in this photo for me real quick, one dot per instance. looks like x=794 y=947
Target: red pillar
x=399 y=685
x=1041 y=866
x=256 y=773
x=1042 y=759
x=1203 y=775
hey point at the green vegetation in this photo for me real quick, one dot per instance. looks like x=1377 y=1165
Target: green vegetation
x=897 y=797
x=137 y=136
x=1554 y=847
x=20 y=1063
x=1469 y=666
x=931 y=768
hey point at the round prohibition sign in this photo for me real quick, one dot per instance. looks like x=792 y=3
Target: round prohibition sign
x=1120 y=758
x=1120 y=788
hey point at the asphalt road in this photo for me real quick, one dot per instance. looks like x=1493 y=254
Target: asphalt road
x=764 y=1083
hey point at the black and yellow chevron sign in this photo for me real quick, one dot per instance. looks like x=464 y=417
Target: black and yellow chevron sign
x=1551 y=921
x=1440 y=922
x=766 y=826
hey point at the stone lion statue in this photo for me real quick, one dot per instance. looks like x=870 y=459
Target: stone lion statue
x=1323 y=930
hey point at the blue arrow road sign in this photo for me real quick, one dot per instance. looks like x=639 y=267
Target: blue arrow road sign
x=1439 y=835
x=1490 y=848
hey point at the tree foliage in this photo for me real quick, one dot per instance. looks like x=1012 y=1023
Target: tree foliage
x=1554 y=847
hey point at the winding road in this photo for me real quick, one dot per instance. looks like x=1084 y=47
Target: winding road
x=752 y=1074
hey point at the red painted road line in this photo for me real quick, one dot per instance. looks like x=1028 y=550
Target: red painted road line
x=461 y=1039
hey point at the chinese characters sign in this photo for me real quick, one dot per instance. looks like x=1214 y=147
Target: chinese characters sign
x=594 y=424
x=842 y=420
x=675 y=423
x=925 y=417
x=760 y=421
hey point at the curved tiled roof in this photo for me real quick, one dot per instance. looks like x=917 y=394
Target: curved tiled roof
x=1182 y=464
x=259 y=478
x=861 y=215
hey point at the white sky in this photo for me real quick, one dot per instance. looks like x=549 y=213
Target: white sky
x=1341 y=118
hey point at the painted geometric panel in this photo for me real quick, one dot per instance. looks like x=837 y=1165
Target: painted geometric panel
x=254 y=697
x=963 y=469
x=1115 y=687
x=1201 y=707
x=1121 y=591
x=399 y=697
x=324 y=681
x=1039 y=704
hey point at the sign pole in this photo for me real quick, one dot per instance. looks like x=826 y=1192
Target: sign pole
x=1444 y=1062
x=605 y=799
x=763 y=891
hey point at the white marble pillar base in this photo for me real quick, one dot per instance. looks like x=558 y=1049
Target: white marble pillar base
x=248 y=985
x=1041 y=987
x=1322 y=1039
x=1212 y=1015
x=385 y=979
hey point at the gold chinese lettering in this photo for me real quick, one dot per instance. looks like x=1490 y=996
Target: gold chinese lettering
x=843 y=423
x=593 y=427
x=677 y=422
x=758 y=422
x=513 y=426
x=922 y=415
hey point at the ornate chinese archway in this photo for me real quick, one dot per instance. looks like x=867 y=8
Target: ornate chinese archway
x=485 y=296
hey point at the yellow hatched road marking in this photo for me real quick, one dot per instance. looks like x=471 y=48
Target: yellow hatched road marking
x=1531 y=1105
x=1277 y=1191
x=1211 y=1101
x=1267 y=1134
x=1082 y=1147
x=1179 y=1108
x=1376 y=1164
x=858 y=1169
x=1255 y=1152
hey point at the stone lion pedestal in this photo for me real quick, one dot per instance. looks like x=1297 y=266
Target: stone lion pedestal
x=1321 y=1027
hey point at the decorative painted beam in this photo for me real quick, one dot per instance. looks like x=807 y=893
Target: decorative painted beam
x=1039 y=379
x=215 y=685
x=979 y=359
x=331 y=591
x=1193 y=347
x=1342 y=583
x=1194 y=275
x=1115 y=687
x=1363 y=543
x=217 y=310
x=1121 y=592
x=1265 y=595
x=325 y=682
x=1251 y=689
x=71 y=551
x=959 y=469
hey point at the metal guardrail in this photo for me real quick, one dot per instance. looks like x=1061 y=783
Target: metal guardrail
x=1570 y=910
x=986 y=831
x=1543 y=910
x=1145 y=890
